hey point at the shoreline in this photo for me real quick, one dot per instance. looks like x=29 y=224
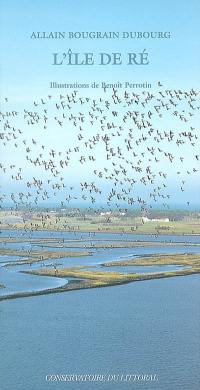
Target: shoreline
x=99 y=279
x=73 y=287
x=111 y=231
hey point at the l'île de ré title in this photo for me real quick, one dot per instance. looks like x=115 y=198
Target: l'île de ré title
x=116 y=58
x=72 y=57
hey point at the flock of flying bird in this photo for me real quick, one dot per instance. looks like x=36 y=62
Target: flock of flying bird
x=119 y=149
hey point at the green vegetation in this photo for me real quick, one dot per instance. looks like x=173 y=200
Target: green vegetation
x=92 y=278
x=80 y=273
x=181 y=259
x=99 y=278
x=191 y=260
x=115 y=245
x=37 y=256
x=178 y=221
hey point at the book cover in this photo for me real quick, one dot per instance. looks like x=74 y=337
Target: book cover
x=100 y=207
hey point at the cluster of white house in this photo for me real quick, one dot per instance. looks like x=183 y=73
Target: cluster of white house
x=146 y=219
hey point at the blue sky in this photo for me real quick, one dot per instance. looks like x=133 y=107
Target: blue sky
x=26 y=65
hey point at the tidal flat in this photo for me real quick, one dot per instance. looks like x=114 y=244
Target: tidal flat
x=46 y=262
x=87 y=243
x=183 y=259
x=32 y=256
x=111 y=278
x=85 y=277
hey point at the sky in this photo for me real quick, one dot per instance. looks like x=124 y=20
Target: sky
x=27 y=63
x=26 y=66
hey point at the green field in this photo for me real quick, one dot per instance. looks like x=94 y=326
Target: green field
x=180 y=221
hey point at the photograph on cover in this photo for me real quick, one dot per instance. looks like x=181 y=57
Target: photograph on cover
x=100 y=195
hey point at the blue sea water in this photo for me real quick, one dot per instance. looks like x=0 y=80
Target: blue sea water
x=149 y=327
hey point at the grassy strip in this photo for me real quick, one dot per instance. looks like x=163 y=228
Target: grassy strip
x=84 y=278
x=121 y=245
x=108 y=278
x=97 y=282
x=58 y=240
x=37 y=256
x=117 y=225
x=114 y=243
x=184 y=259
